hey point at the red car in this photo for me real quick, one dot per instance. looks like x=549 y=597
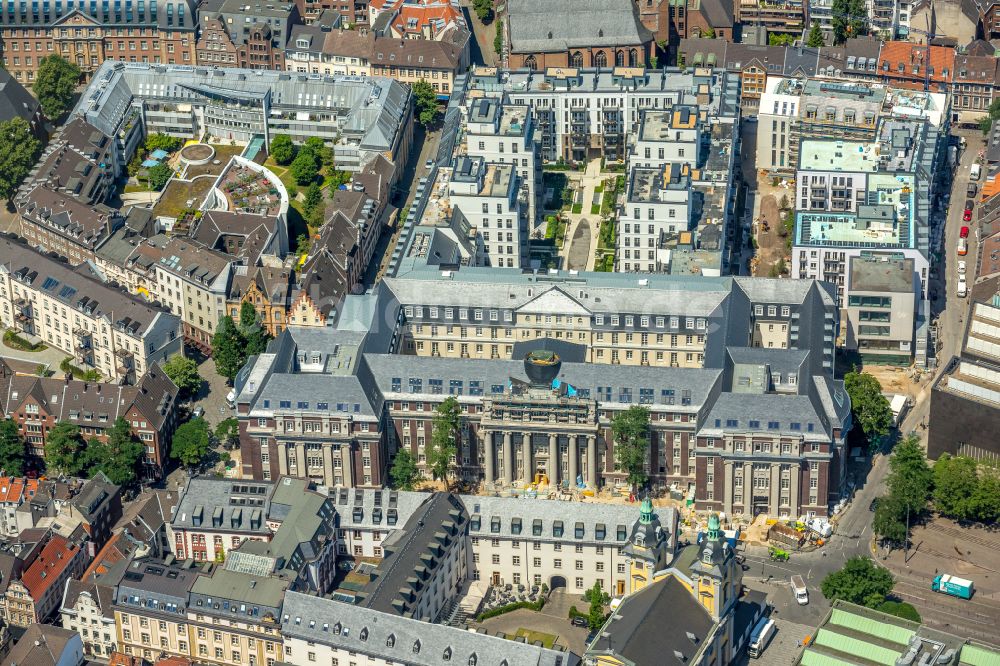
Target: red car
x=967 y=215
x=964 y=233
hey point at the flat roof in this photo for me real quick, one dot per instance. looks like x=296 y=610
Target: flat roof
x=827 y=155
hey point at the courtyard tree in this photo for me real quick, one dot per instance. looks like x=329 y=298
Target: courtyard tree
x=12 y=449
x=64 y=449
x=255 y=336
x=304 y=168
x=425 y=102
x=313 y=198
x=18 y=151
x=228 y=432
x=160 y=141
x=870 y=409
x=444 y=438
x=54 y=85
x=404 y=471
x=850 y=19
x=282 y=149
x=227 y=348
x=860 y=582
x=483 y=9
x=183 y=372
x=190 y=443
x=598 y=598
x=157 y=176
x=815 y=39
x=118 y=457
x=631 y=434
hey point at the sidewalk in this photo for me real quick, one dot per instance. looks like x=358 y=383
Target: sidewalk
x=590 y=179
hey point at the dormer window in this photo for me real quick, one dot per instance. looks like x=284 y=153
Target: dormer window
x=446 y=656
x=416 y=646
x=391 y=641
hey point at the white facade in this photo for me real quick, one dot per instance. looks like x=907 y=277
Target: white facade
x=486 y=193
x=672 y=136
x=775 y=118
x=86 y=619
x=656 y=204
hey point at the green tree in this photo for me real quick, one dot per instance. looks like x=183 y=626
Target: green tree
x=775 y=39
x=597 y=598
x=498 y=39
x=157 y=176
x=815 y=39
x=985 y=502
x=313 y=198
x=483 y=9
x=889 y=520
x=899 y=609
x=910 y=479
x=64 y=449
x=282 y=149
x=160 y=141
x=255 y=338
x=860 y=582
x=444 y=438
x=11 y=449
x=183 y=372
x=709 y=33
x=404 y=470
x=304 y=168
x=850 y=19
x=119 y=457
x=55 y=82
x=869 y=407
x=319 y=150
x=631 y=433
x=190 y=442
x=18 y=151
x=425 y=100
x=228 y=431
x=955 y=482
x=227 y=348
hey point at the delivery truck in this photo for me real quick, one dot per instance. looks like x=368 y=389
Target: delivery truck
x=953 y=585
x=761 y=636
x=800 y=590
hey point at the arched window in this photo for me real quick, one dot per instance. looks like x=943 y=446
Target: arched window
x=576 y=60
x=530 y=63
x=600 y=60
x=633 y=57
x=620 y=59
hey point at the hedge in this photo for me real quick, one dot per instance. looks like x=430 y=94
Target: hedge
x=530 y=605
x=17 y=342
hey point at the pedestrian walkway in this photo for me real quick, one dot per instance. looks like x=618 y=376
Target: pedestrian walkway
x=572 y=254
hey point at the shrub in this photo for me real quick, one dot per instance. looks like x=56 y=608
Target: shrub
x=17 y=342
x=530 y=605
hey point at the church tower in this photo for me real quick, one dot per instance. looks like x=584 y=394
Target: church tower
x=648 y=548
x=717 y=576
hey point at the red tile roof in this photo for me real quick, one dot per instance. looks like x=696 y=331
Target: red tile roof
x=112 y=552
x=50 y=563
x=12 y=489
x=912 y=58
x=426 y=14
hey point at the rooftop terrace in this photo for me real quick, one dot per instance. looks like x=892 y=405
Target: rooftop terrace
x=646 y=185
x=826 y=155
x=656 y=125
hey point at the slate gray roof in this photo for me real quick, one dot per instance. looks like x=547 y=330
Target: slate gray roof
x=357 y=507
x=73 y=288
x=184 y=10
x=154 y=584
x=15 y=100
x=617 y=519
x=412 y=641
x=214 y=498
x=594 y=23
x=756 y=413
x=637 y=630
x=44 y=645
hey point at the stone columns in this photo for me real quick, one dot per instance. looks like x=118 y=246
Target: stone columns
x=795 y=474
x=526 y=452
x=487 y=439
x=728 y=506
x=328 y=465
x=300 y=460
x=555 y=460
x=573 y=452
x=508 y=460
x=592 y=461
x=775 y=488
x=748 y=488
x=347 y=464
x=282 y=458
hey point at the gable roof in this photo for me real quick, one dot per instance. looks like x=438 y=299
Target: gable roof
x=594 y=23
x=15 y=100
x=55 y=558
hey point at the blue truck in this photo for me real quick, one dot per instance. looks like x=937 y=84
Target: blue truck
x=953 y=585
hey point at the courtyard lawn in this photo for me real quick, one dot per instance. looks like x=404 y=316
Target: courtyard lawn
x=548 y=640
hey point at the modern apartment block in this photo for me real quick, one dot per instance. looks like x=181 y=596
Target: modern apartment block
x=657 y=204
x=582 y=113
x=371 y=117
x=102 y=328
x=689 y=360
x=90 y=34
x=488 y=196
x=883 y=302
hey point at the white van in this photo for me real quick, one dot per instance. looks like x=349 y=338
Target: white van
x=761 y=636
x=962 y=290
x=975 y=171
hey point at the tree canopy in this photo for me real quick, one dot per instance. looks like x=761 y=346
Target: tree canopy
x=425 y=99
x=228 y=431
x=232 y=345
x=860 y=582
x=850 y=19
x=118 y=457
x=304 y=168
x=815 y=39
x=404 y=471
x=631 y=436
x=160 y=141
x=965 y=490
x=910 y=479
x=190 y=442
x=18 y=151
x=183 y=372
x=157 y=176
x=282 y=149
x=869 y=407
x=444 y=437
x=11 y=448
x=55 y=83
x=889 y=520
x=64 y=450
x=255 y=337
x=483 y=9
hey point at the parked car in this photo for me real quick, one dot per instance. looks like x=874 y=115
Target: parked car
x=578 y=621
x=967 y=213
x=964 y=233
x=873 y=505
x=963 y=247
x=962 y=289
x=971 y=190
x=961 y=268
x=198 y=412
